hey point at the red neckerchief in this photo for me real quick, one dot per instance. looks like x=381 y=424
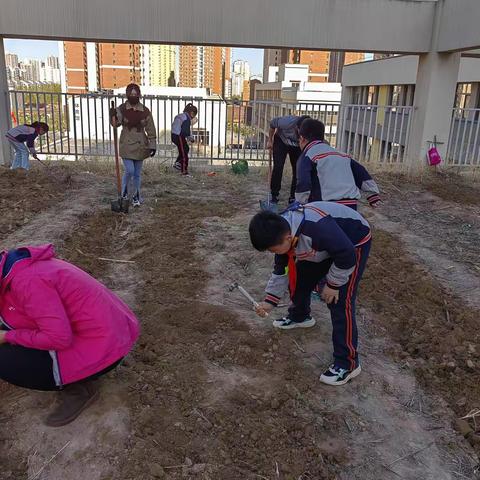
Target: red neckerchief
x=292 y=268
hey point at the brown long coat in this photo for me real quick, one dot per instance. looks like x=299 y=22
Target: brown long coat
x=135 y=143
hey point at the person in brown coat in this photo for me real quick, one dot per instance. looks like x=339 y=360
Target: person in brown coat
x=138 y=140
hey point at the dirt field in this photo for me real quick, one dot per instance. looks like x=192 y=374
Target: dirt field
x=210 y=391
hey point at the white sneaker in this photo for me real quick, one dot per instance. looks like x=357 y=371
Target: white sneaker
x=136 y=202
x=286 y=323
x=339 y=376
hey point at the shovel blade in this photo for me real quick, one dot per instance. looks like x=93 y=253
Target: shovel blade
x=120 y=205
x=269 y=206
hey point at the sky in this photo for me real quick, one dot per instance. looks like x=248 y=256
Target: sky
x=42 y=48
x=254 y=56
x=32 y=48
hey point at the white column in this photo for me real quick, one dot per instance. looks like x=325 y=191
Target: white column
x=5 y=154
x=63 y=71
x=437 y=79
x=347 y=97
x=92 y=66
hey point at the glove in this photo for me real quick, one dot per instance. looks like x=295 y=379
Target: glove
x=152 y=152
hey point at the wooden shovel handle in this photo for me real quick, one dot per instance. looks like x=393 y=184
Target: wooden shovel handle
x=117 y=157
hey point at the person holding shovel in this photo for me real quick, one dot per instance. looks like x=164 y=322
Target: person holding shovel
x=283 y=141
x=138 y=140
x=61 y=329
x=22 y=139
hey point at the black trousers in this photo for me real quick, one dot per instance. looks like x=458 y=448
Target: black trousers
x=344 y=325
x=33 y=369
x=280 y=152
x=183 y=149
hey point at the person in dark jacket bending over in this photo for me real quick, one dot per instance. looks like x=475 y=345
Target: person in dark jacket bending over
x=283 y=140
x=310 y=242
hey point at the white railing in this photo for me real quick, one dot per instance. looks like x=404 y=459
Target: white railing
x=226 y=130
x=375 y=133
x=464 y=140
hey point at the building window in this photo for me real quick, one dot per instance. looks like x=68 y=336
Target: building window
x=410 y=95
x=396 y=95
x=372 y=96
x=357 y=95
x=463 y=96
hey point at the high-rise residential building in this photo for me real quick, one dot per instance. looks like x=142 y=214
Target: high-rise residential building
x=240 y=74
x=318 y=62
x=73 y=57
x=379 y=56
x=10 y=76
x=323 y=66
x=338 y=60
x=92 y=66
x=221 y=67
x=119 y=65
x=30 y=70
x=188 y=76
x=53 y=62
x=162 y=61
x=354 y=57
x=11 y=60
x=273 y=58
x=204 y=67
x=49 y=74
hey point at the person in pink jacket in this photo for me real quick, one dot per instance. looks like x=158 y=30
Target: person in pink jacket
x=62 y=329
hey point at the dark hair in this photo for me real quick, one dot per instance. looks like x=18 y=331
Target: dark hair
x=301 y=119
x=41 y=125
x=312 y=130
x=191 y=108
x=267 y=229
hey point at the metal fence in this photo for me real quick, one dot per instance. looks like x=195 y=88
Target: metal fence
x=375 y=133
x=230 y=130
x=226 y=130
x=464 y=140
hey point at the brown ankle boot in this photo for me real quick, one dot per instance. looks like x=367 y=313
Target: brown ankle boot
x=74 y=399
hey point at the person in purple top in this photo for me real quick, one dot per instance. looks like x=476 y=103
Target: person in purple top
x=22 y=139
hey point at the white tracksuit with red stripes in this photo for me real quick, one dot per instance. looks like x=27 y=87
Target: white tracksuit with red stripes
x=324 y=173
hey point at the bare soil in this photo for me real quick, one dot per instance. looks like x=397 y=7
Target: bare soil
x=212 y=392
x=24 y=195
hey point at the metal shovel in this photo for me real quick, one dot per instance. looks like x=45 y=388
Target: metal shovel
x=121 y=204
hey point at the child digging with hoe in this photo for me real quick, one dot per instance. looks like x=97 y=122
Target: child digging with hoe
x=310 y=242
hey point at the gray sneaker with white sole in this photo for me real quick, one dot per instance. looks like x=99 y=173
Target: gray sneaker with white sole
x=337 y=376
x=286 y=323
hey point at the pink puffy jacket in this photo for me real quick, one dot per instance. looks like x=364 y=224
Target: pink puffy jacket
x=49 y=304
